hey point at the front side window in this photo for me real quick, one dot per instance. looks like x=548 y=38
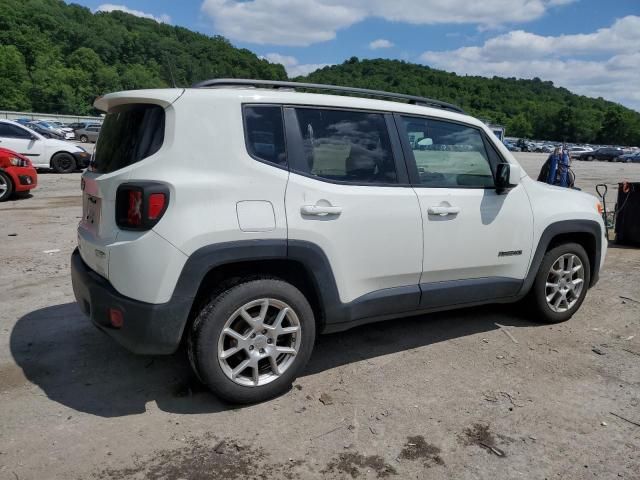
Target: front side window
x=129 y=134
x=346 y=146
x=448 y=154
x=264 y=133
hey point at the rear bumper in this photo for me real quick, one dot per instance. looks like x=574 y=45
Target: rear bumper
x=149 y=329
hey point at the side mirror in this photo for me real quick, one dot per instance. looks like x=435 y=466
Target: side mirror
x=507 y=176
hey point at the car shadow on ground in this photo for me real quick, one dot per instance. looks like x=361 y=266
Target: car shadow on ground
x=78 y=366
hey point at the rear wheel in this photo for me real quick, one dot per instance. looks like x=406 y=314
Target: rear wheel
x=561 y=283
x=63 y=163
x=250 y=342
x=590 y=158
x=6 y=186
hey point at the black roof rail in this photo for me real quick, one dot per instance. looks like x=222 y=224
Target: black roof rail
x=241 y=82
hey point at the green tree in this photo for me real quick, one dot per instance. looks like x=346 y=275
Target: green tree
x=520 y=126
x=14 y=79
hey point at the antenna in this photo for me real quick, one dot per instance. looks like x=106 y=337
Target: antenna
x=168 y=60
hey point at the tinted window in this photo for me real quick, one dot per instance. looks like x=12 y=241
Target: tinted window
x=129 y=134
x=264 y=133
x=346 y=146
x=448 y=154
x=11 y=131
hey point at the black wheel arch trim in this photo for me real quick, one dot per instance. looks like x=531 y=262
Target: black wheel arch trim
x=565 y=227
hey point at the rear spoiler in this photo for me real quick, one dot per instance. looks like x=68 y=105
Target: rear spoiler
x=163 y=97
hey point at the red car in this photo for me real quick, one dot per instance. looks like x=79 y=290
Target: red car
x=16 y=174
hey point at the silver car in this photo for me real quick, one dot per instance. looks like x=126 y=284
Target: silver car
x=88 y=134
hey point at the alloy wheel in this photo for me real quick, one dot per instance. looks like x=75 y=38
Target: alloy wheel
x=565 y=282
x=259 y=342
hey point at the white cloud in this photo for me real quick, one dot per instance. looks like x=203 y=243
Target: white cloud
x=380 y=43
x=303 y=22
x=603 y=63
x=292 y=66
x=110 y=7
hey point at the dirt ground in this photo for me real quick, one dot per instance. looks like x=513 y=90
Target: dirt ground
x=451 y=395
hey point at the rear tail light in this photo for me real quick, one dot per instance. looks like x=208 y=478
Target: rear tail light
x=140 y=205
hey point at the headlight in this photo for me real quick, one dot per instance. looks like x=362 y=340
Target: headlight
x=18 y=162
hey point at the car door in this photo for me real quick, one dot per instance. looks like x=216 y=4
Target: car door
x=22 y=140
x=477 y=242
x=348 y=195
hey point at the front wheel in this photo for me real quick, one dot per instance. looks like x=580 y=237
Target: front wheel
x=590 y=158
x=84 y=138
x=63 y=163
x=251 y=342
x=560 y=284
x=6 y=186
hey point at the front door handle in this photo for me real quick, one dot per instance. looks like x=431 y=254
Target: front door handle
x=443 y=211
x=320 y=210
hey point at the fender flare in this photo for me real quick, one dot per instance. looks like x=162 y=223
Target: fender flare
x=590 y=227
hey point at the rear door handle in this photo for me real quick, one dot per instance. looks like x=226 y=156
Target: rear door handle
x=443 y=211
x=320 y=210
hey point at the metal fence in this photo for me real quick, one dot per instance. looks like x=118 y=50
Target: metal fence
x=8 y=115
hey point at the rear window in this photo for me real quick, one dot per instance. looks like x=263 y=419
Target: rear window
x=129 y=134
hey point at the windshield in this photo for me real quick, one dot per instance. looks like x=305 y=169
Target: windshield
x=129 y=134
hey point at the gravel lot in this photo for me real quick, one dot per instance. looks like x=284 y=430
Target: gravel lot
x=449 y=395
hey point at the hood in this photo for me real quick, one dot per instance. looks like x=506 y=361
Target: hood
x=62 y=145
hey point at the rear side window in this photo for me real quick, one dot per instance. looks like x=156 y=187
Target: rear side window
x=346 y=146
x=264 y=133
x=11 y=131
x=129 y=134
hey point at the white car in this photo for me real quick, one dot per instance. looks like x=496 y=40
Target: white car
x=60 y=155
x=64 y=133
x=575 y=152
x=245 y=217
x=68 y=132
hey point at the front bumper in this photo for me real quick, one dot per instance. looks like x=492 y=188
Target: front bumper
x=82 y=159
x=24 y=178
x=149 y=329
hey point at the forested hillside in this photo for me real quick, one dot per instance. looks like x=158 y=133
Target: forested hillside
x=57 y=58
x=528 y=108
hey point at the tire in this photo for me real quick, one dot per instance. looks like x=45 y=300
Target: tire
x=6 y=187
x=84 y=138
x=590 y=158
x=542 y=309
x=63 y=163
x=215 y=355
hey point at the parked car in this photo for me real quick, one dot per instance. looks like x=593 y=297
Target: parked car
x=575 y=152
x=544 y=148
x=60 y=126
x=88 y=134
x=17 y=175
x=605 y=153
x=62 y=156
x=79 y=125
x=511 y=147
x=266 y=239
x=629 y=157
x=64 y=135
x=45 y=132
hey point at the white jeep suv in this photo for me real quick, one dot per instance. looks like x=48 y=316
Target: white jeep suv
x=244 y=217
